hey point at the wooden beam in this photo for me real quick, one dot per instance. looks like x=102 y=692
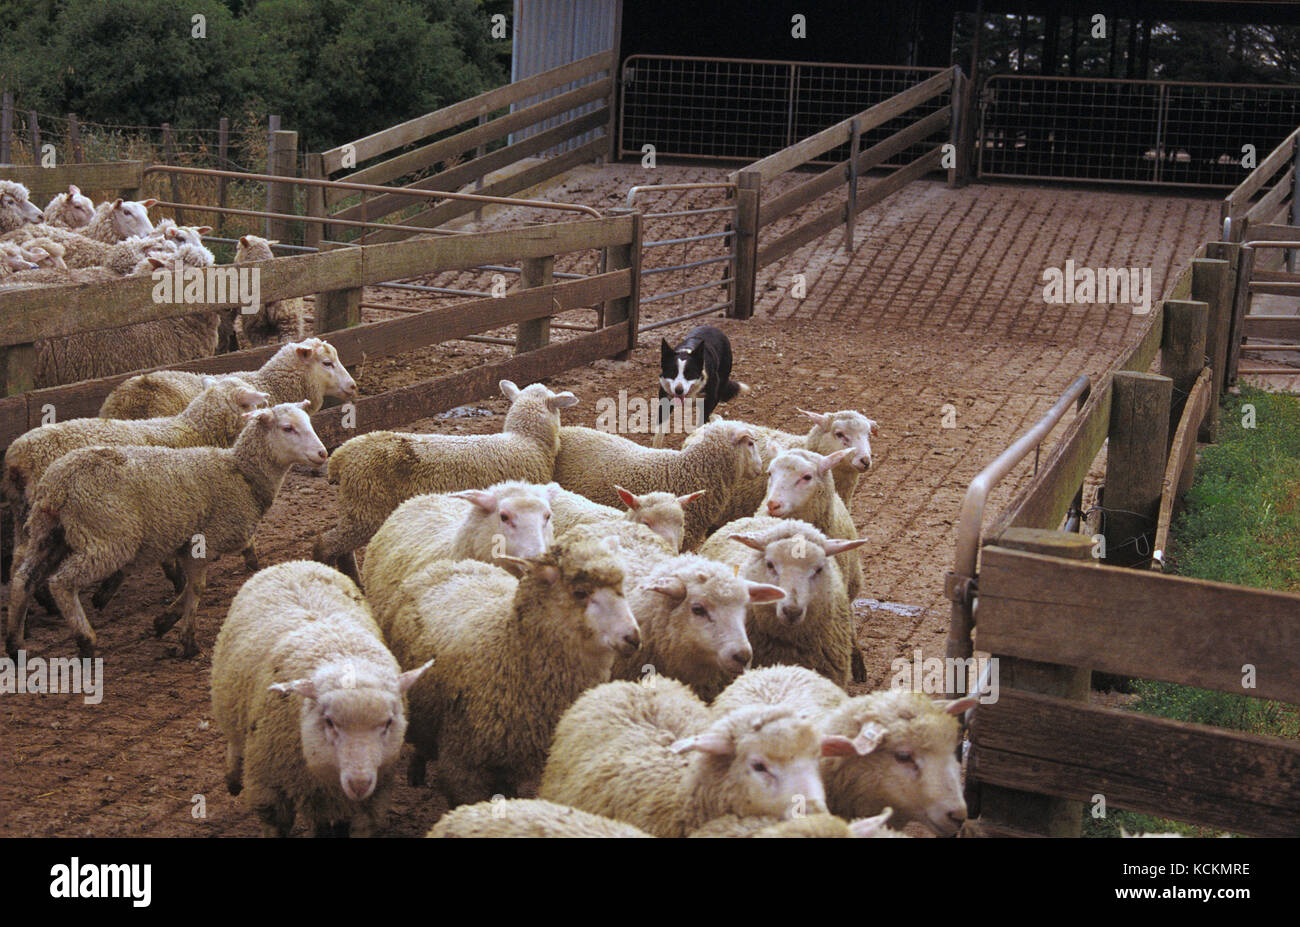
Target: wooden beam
x=1212 y=282
x=745 y=269
x=1138 y=440
x=1182 y=458
x=826 y=221
x=1182 y=351
x=1271 y=203
x=1244 y=783
x=625 y=258
x=1281 y=327
x=1240 y=309
x=1239 y=199
x=97 y=177
x=1138 y=623
x=535 y=333
x=337 y=309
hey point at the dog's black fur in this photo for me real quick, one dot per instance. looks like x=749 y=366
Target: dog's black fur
x=706 y=353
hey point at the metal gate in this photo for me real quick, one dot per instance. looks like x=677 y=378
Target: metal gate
x=742 y=109
x=1130 y=131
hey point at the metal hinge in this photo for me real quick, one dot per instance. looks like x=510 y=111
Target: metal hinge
x=959 y=589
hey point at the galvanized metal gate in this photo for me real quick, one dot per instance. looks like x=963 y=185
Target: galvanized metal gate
x=1130 y=131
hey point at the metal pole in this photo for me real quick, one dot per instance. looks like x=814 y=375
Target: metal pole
x=1294 y=213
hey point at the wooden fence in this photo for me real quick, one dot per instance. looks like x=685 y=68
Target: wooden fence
x=389 y=155
x=1051 y=613
x=845 y=174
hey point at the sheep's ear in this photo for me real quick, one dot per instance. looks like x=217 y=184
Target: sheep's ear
x=819 y=417
x=203 y=229
x=835 y=546
x=771 y=448
x=117 y=203
x=155 y=262
x=674 y=587
x=148 y=203
x=872 y=826
x=304 y=687
x=715 y=743
x=172 y=232
x=515 y=566
x=243 y=240
x=960 y=706
x=305 y=351
x=304 y=404
x=690 y=497
x=629 y=499
x=508 y=389
x=831 y=461
x=742 y=435
x=612 y=544
x=838 y=745
x=869 y=738
x=485 y=500
x=748 y=540
x=552 y=491
x=407 y=679
x=874 y=429
x=559 y=401
x=763 y=592
x=73 y=190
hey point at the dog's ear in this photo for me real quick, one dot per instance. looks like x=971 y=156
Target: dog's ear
x=666 y=350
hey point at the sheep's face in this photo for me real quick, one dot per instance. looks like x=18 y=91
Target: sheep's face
x=74 y=209
x=706 y=612
x=661 y=512
x=770 y=759
x=290 y=436
x=131 y=218
x=329 y=376
x=848 y=429
x=797 y=566
x=12 y=259
x=45 y=253
x=903 y=755
x=610 y=619
x=518 y=518
x=183 y=235
x=749 y=460
x=12 y=202
x=794 y=477
x=253 y=248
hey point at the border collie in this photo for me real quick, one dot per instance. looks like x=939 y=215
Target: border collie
x=698 y=368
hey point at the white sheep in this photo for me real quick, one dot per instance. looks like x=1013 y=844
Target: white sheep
x=651 y=755
x=661 y=512
x=692 y=616
x=813 y=625
x=71 y=209
x=119 y=219
x=99 y=509
x=16 y=208
x=592 y=462
x=512 y=656
x=527 y=817
x=903 y=751
x=310 y=701
x=806 y=825
x=13 y=260
x=799 y=485
x=261 y=326
x=511 y=519
x=377 y=472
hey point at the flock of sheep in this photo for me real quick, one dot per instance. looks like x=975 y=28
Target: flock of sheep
x=657 y=641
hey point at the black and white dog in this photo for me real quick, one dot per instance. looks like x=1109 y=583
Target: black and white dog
x=697 y=369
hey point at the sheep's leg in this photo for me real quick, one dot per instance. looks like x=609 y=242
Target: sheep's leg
x=859 y=668
x=416 y=769
x=234 y=769
x=107 y=589
x=175 y=574
x=7 y=553
x=276 y=815
x=63 y=586
x=337 y=546
x=250 y=557
x=15 y=628
x=196 y=580
x=43 y=598
x=460 y=785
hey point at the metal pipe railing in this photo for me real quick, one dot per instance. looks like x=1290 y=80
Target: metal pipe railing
x=682 y=318
x=960 y=585
x=632 y=193
x=290 y=217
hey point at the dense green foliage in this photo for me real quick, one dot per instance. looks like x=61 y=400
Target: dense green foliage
x=334 y=69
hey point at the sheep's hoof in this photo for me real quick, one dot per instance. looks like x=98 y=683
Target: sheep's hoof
x=85 y=647
x=415 y=771
x=189 y=649
x=250 y=560
x=858 y=666
x=12 y=646
x=234 y=783
x=165 y=622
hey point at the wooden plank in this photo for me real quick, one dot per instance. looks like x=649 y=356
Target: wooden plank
x=1182 y=350
x=1239 y=199
x=1212 y=282
x=1281 y=327
x=1240 y=782
x=832 y=177
x=1140 y=357
x=826 y=221
x=1137 y=623
x=1271 y=203
x=409 y=404
x=1240 y=305
x=535 y=333
x=97 y=177
x=1138 y=442
x=1182 y=453
x=1265 y=232
x=821 y=142
x=472 y=138
x=33 y=314
x=900 y=178
x=529 y=177
x=462 y=174
x=625 y=257
x=377 y=339
x=748 y=207
x=448 y=117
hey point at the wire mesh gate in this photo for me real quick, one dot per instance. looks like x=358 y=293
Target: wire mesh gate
x=742 y=109
x=1121 y=131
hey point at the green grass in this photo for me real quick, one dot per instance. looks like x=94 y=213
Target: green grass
x=1241 y=524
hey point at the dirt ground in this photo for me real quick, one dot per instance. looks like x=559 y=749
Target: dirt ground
x=939 y=304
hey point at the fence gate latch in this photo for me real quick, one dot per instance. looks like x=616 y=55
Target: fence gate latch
x=960 y=589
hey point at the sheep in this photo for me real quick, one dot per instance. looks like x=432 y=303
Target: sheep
x=378 y=471
x=904 y=744
x=813 y=625
x=807 y=825
x=69 y=210
x=652 y=756
x=310 y=701
x=307 y=369
x=512 y=656
x=52 y=271
x=186 y=241
x=511 y=519
x=119 y=219
x=528 y=817
x=270 y=317
x=121 y=257
x=16 y=207
x=830 y=432
x=692 y=616
x=590 y=462
x=799 y=485
x=639 y=548
x=661 y=512
x=99 y=509
x=13 y=260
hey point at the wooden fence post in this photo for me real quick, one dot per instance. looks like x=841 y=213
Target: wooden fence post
x=1135 y=464
x=284 y=163
x=74 y=139
x=1211 y=284
x=272 y=126
x=750 y=184
x=957 y=100
x=851 y=206
x=6 y=128
x=223 y=163
x=18 y=367
x=625 y=308
x=314 y=232
x=34 y=130
x=1182 y=351
x=1031 y=812
x=535 y=333
x=338 y=309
